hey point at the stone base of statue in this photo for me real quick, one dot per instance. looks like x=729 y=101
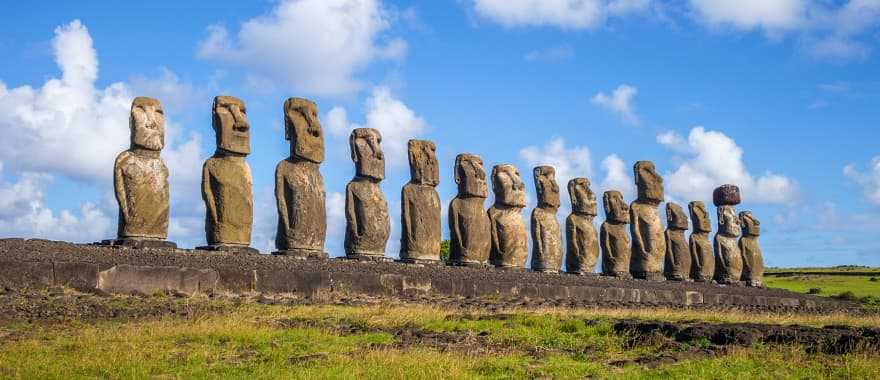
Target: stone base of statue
x=729 y=282
x=582 y=273
x=545 y=270
x=676 y=277
x=367 y=257
x=707 y=279
x=136 y=243
x=620 y=275
x=233 y=249
x=419 y=261
x=468 y=264
x=508 y=268
x=305 y=254
x=649 y=276
x=755 y=284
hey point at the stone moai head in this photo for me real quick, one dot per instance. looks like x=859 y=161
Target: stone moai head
x=648 y=182
x=676 y=219
x=616 y=209
x=423 y=166
x=700 y=217
x=303 y=130
x=750 y=225
x=728 y=222
x=147 y=124
x=366 y=153
x=470 y=176
x=726 y=195
x=583 y=199
x=546 y=186
x=230 y=125
x=509 y=189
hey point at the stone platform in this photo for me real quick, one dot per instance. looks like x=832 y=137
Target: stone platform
x=42 y=264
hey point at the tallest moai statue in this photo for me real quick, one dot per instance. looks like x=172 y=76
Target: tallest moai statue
x=648 y=242
x=299 y=187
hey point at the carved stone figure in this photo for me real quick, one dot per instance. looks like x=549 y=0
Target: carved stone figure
x=510 y=242
x=366 y=211
x=420 y=206
x=299 y=186
x=140 y=180
x=702 y=258
x=753 y=261
x=470 y=237
x=678 y=255
x=546 y=235
x=583 y=241
x=613 y=236
x=648 y=242
x=728 y=257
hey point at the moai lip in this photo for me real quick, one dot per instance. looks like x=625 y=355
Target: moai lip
x=582 y=251
x=546 y=234
x=420 y=206
x=469 y=226
x=366 y=210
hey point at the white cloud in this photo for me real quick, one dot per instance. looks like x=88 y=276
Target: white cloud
x=617 y=177
x=569 y=163
x=568 y=14
x=869 y=180
x=335 y=223
x=551 y=54
x=752 y=14
x=711 y=159
x=619 y=102
x=313 y=46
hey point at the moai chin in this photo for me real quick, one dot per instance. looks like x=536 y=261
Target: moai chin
x=702 y=258
x=510 y=242
x=678 y=255
x=613 y=236
x=648 y=242
x=728 y=257
x=420 y=206
x=140 y=180
x=299 y=186
x=226 y=180
x=366 y=211
x=753 y=261
x=469 y=227
x=582 y=252
x=546 y=235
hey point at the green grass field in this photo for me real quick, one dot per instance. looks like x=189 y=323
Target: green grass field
x=860 y=287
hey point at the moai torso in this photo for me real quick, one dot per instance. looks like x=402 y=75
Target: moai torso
x=753 y=261
x=510 y=242
x=678 y=255
x=299 y=186
x=366 y=211
x=614 y=237
x=582 y=252
x=470 y=238
x=546 y=235
x=420 y=205
x=702 y=257
x=728 y=257
x=140 y=177
x=648 y=242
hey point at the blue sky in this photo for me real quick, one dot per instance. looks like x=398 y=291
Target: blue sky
x=778 y=97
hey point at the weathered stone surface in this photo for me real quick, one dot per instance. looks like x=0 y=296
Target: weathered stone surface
x=648 y=242
x=420 y=205
x=753 y=261
x=299 y=186
x=366 y=210
x=726 y=195
x=728 y=257
x=149 y=280
x=613 y=236
x=546 y=235
x=469 y=231
x=702 y=257
x=510 y=242
x=140 y=177
x=678 y=255
x=582 y=240
x=227 y=183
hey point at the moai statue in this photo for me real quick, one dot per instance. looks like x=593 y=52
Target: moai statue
x=510 y=241
x=140 y=180
x=753 y=262
x=366 y=211
x=546 y=235
x=678 y=255
x=728 y=257
x=583 y=242
x=227 y=182
x=468 y=222
x=420 y=206
x=648 y=243
x=299 y=186
x=613 y=236
x=702 y=258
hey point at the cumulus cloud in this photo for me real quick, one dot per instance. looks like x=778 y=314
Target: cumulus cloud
x=619 y=102
x=710 y=159
x=617 y=177
x=313 y=46
x=752 y=14
x=869 y=180
x=568 y=14
x=568 y=162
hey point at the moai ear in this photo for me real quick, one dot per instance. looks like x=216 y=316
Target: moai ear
x=456 y=170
